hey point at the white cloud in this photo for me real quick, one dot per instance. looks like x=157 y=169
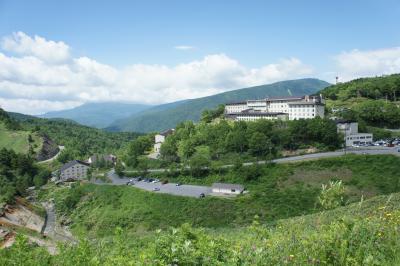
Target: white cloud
x=30 y=106
x=184 y=47
x=35 y=82
x=356 y=63
x=48 y=51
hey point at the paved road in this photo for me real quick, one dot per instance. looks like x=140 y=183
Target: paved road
x=369 y=151
x=366 y=150
x=195 y=191
x=170 y=188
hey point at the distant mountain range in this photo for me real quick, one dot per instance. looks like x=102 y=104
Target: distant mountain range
x=145 y=118
x=98 y=115
x=166 y=116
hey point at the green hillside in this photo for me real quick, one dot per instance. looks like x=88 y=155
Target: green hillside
x=80 y=141
x=18 y=140
x=363 y=233
x=280 y=191
x=98 y=115
x=13 y=137
x=168 y=116
x=371 y=101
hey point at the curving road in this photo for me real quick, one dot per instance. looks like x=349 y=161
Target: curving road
x=60 y=149
x=314 y=156
x=360 y=151
x=195 y=191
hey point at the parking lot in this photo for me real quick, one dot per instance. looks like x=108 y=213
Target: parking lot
x=172 y=188
x=169 y=188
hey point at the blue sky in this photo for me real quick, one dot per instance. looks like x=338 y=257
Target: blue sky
x=324 y=38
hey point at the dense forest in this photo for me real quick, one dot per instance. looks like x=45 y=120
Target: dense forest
x=213 y=139
x=385 y=87
x=17 y=173
x=373 y=101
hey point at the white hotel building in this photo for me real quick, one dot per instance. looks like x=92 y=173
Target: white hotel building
x=289 y=108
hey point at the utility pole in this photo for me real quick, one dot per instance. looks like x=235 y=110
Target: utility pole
x=346 y=127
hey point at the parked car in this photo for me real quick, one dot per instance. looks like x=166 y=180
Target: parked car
x=398 y=150
x=202 y=195
x=178 y=184
x=156 y=189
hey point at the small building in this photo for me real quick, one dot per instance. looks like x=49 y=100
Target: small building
x=108 y=158
x=226 y=188
x=74 y=170
x=352 y=137
x=160 y=138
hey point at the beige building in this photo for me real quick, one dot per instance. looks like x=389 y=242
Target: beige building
x=225 y=188
x=74 y=170
x=108 y=158
x=352 y=137
x=160 y=138
x=291 y=108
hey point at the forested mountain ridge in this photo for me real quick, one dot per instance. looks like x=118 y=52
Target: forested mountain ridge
x=371 y=101
x=384 y=87
x=168 y=116
x=98 y=115
x=80 y=141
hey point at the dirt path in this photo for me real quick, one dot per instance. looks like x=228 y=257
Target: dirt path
x=52 y=229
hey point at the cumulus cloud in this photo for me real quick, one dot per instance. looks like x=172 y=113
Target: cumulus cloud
x=184 y=47
x=48 y=51
x=42 y=76
x=356 y=63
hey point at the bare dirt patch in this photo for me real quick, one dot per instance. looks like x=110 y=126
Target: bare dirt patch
x=317 y=177
x=19 y=215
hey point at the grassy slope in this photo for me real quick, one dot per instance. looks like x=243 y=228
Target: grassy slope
x=358 y=234
x=160 y=118
x=18 y=140
x=283 y=191
x=360 y=209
